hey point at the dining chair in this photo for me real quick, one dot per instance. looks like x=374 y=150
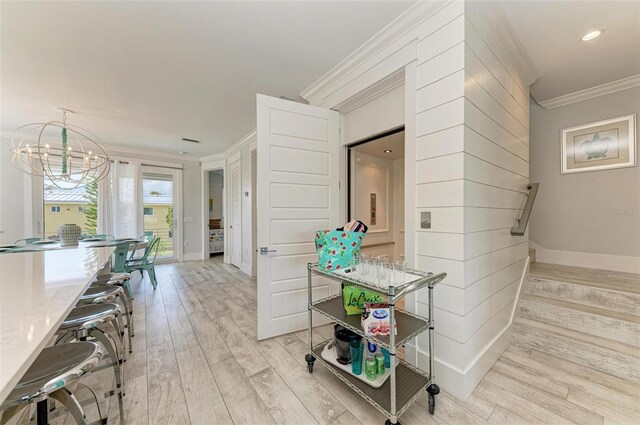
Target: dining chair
x=49 y=376
x=146 y=262
x=27 y=241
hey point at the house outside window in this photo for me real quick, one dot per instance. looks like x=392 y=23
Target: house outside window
x=55 y=209
x=148 y=211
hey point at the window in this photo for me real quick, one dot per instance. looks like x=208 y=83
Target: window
x=81 y=210
x=148 y=211
x=55 y=209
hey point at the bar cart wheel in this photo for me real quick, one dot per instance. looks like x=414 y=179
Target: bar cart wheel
x=432 y=389
x=310 y=360
x=388 y=422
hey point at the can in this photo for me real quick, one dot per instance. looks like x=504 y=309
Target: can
x=370 y=368
x=380 y=364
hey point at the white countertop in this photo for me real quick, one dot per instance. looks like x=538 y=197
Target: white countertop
x=37 y=291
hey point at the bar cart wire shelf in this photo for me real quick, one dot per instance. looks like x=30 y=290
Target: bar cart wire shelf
x=405 y=381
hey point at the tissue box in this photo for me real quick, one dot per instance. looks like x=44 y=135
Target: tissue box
x=375 y=320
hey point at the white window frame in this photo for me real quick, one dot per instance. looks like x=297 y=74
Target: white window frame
x=51 y=207
x=144 y=210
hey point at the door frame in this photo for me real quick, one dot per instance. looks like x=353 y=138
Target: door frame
x=206 y=167
x=178 y=244
x=236 y=157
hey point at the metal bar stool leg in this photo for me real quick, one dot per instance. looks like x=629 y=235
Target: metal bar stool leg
x=69 y=401
x=107 y=341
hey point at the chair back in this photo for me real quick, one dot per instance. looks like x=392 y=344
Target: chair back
x=153 y=250
x=27 y=241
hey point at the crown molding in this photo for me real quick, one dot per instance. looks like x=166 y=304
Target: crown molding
x=402 y=25
x=590 y=93
x=489 y=19
x=249 y=138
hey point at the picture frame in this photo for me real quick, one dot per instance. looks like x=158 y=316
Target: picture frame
x=601 y=145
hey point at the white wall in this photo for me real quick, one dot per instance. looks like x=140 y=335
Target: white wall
x=15 y=192
x=466 y=125
x=240 y=150
x=589 y=219
x=378 y=115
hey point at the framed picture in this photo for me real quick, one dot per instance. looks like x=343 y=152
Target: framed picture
x=600 y=145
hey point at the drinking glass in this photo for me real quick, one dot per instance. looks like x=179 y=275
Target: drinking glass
x=382 y=271
x=355 y=346
x=399 y=272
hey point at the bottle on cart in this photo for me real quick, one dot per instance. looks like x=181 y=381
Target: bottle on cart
x=370 y=364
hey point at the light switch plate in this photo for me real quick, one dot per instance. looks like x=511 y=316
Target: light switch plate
x=425 y=220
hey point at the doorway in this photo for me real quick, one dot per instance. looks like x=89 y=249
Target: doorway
x=215 y=202
x=160 y=210
x=376 y=192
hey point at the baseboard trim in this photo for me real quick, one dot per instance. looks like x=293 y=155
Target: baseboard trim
x=192 y=256
x=588 y=260
x=458 y=382
x=245 y=268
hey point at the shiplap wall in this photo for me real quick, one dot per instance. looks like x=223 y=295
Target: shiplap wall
x=467 y=161
x=472 y=169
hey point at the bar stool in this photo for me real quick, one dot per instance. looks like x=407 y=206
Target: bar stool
x=85 y=322
x=99 y=294
x=121 y=280
x=51 y=373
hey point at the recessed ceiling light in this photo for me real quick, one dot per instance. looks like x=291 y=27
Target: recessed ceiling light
x=181 y=152
x=388 y=151
x=591 y=35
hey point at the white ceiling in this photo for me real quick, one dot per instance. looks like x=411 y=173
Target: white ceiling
x=393 y=142
x=551 y=32
x=146 y=74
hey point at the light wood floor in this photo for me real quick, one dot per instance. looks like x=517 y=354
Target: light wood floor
x=196 y=361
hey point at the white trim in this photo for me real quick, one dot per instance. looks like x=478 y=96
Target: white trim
x=402 y=25
x=382 y=87
x=461 y=383
x=219 y=164
x=590 y=93
x=246 y=269
x=516 y=306
x=141 y=153
x=236 y=147
x=589 y=260
x=192 y=256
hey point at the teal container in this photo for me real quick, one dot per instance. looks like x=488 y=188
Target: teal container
x=387 y=358
x=356 y=348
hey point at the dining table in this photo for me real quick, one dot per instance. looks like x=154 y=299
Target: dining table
x=123 y=246
x=38 y=289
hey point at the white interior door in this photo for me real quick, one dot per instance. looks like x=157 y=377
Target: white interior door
x=235 y=225
x=297 y=194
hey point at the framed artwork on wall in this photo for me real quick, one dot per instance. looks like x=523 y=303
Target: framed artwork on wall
x=601 y=145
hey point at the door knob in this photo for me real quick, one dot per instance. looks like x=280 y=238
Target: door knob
x=265 y=250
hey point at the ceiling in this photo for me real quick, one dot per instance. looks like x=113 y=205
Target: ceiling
x=393 y=142
x=147 y=74
x=551 y=33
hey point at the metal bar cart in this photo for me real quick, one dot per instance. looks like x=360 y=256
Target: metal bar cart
x=405 y=381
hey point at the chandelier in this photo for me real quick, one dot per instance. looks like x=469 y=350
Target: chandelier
x=66 y=155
